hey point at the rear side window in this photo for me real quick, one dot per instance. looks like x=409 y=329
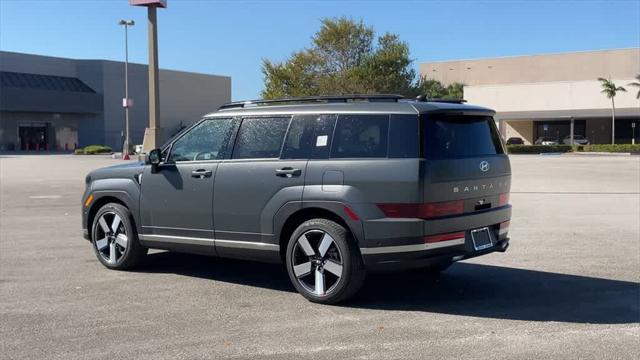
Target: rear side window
x=457 y=136
x=360 y=136
x=260 y=138
x=309 y=137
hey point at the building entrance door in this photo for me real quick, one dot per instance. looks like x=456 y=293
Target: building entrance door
x=33 y=138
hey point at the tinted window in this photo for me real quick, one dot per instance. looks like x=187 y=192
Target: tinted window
x=404 y=136
x=360 y=136
x=309 y=137
x=297 y=144
x=457 y=136
x=260 y=138
x=205 y=141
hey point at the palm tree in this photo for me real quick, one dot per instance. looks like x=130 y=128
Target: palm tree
x=636 y=84
x=609 y=89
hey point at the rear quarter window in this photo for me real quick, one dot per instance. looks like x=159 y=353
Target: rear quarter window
x=360 y=136
x=459 y=136
x=404 y=136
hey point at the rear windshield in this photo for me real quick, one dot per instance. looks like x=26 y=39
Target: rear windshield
x=458 y=136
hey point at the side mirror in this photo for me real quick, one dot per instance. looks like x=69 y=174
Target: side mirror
x=154 y=158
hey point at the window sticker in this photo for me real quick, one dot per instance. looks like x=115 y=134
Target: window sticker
x=322 y=140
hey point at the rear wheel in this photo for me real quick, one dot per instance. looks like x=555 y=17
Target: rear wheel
x=323 y=262
x=115 y=239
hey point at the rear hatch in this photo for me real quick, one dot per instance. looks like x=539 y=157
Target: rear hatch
x=464 y=167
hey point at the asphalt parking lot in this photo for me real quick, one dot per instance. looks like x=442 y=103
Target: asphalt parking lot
x=568 y=287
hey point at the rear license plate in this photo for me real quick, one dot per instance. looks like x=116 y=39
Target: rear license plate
x=481 y=238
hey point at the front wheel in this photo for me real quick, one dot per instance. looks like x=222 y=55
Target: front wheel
x=323 y=262
x=114 y=238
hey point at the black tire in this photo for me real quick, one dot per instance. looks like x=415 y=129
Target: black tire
x=126 y=257
x=342 y=251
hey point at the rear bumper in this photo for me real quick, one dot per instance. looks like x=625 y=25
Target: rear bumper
x=418 y=259
x=400 y=243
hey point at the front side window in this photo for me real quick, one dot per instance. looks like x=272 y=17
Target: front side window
x=203 y=142
x=260 y=138
x=360 y=136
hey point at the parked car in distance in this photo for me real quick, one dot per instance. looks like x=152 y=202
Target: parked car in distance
x=515 y=141
x=546 y=141
x=331 y=187
x=577 y=139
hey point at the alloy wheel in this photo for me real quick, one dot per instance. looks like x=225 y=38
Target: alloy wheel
x=317 y=262
x=111 y=237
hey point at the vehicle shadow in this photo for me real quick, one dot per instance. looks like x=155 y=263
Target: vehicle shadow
x=465 y=289
x=270 y=276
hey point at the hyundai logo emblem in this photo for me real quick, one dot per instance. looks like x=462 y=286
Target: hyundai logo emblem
x=484 y=166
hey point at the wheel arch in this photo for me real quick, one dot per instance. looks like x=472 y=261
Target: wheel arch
x=102 y=199
x=333 y=211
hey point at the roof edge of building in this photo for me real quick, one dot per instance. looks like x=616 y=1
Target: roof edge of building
x=530 y=55
x=108 y=60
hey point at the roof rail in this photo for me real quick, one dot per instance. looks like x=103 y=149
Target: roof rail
x=313 y=99
x=453 y=101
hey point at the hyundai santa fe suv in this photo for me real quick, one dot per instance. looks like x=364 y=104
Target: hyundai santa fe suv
x=330 y=186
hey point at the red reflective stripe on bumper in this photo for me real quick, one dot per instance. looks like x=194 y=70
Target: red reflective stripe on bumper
x=444 y=237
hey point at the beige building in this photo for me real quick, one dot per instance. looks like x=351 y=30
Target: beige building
x=548 y=95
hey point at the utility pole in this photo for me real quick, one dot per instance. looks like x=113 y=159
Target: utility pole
x=153 y=133
x=126 y=102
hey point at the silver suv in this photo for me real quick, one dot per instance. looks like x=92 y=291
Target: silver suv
x=329 y=186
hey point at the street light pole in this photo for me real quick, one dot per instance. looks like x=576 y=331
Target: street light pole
x=126 y=102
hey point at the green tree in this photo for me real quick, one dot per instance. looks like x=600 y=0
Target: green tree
x=345 y=58
x=636 y=84
x=433 y=89
x=455 y=91
x=609 y=89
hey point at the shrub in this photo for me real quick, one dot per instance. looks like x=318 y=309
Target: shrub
x=94 y=149
x=625 y=148
x=538 y=149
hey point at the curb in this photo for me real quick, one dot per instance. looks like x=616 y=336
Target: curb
x=602 y=153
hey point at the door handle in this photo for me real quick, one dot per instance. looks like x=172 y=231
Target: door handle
x=201 y=173
x=288 y=172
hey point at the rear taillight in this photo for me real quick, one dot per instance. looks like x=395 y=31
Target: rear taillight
x=423 y=211
x=503 y=199
x=444 y=237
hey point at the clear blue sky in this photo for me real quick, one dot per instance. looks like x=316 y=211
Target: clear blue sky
x=231 y=37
